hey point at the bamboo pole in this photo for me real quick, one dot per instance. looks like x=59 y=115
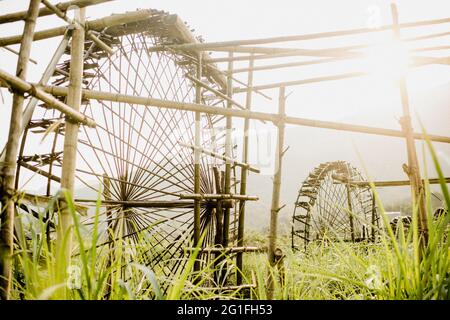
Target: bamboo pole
x=9 y=166
x=339 y=33
x=246 y=114
x=413 y=171
x=276 y=192
x=109 y=230
x=392 y=183
x=228 y=250
x=63 y=6
x=197 y=140
x=70 y=139
x=244 y=174
x=227 y=196
x=94 y=25
x=219 y=156
x=89 y=34
x=229 y=127
x=24 y=87
x=29 y=109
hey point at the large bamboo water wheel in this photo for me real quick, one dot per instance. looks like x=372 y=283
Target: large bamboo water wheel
x=136 y=158
x=329 y=208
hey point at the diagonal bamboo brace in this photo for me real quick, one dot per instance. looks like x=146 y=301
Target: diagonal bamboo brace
x=25 y=87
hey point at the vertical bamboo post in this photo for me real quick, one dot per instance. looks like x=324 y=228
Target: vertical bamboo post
x=350 y=207
x=412 y=170
x=197 y=138
x=71 y=139
x=109 y=230
x=244 y=173
x=227 y=188
x=374 y=211
x=276 y=191
x=9 y=165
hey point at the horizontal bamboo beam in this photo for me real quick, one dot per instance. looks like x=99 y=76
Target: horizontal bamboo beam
x=215 y=45
x=25 y=87
x=227 y=250
x=39 y=171
x=246 y=114
x=394 y=183
x=222 y=157
x=303 y=81
x=63 y=6
x=89 y=33
x=95 y=25
x=218 y=196
x=216 y=92
x=143 y=203
x=329 y=52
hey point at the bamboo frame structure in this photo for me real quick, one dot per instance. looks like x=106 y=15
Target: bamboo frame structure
x=191 y=51
x=246 y=114
x=275 y=208
x=413 y=171
x=9 y=165
x=62 y=6
x=64 y=241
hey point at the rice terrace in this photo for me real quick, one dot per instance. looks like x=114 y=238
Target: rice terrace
x=233 y=150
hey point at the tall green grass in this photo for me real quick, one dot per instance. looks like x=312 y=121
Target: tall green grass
x=395 y=267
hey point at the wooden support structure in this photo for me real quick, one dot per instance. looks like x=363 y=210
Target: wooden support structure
x=276 y=192
x=89 y=33
x=229 y=250
x=224 y=158
x=63 y=6
x=24 y=87
x=302 y=37
x=7 y=191
x=246 y=114
x=223 y=196
x=71 y=139
x=229 y=128
x=413 y=171
x=244 y=174
x=391 y=183
x=94 y=25
x=29 y=109
x=197 y=141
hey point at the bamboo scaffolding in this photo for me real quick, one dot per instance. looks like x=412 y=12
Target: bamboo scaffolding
x=9 y=165
x=244 y=174
x=229 y=250
x=413 y=171
x=34 y=90
x=221 y=157
x=330 y=34
x=74 y=94
x=229 y=128
x=390 y=183
x=197 y=140
x=246 y=114
x=216 y=92
x=89 y=34
x=94 y=25
x=29 y=109
x=224 y=196
x=275 y=208
x=62 y=6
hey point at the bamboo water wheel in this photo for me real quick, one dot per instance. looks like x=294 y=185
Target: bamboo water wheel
x=328 y=208
x=134 y=159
